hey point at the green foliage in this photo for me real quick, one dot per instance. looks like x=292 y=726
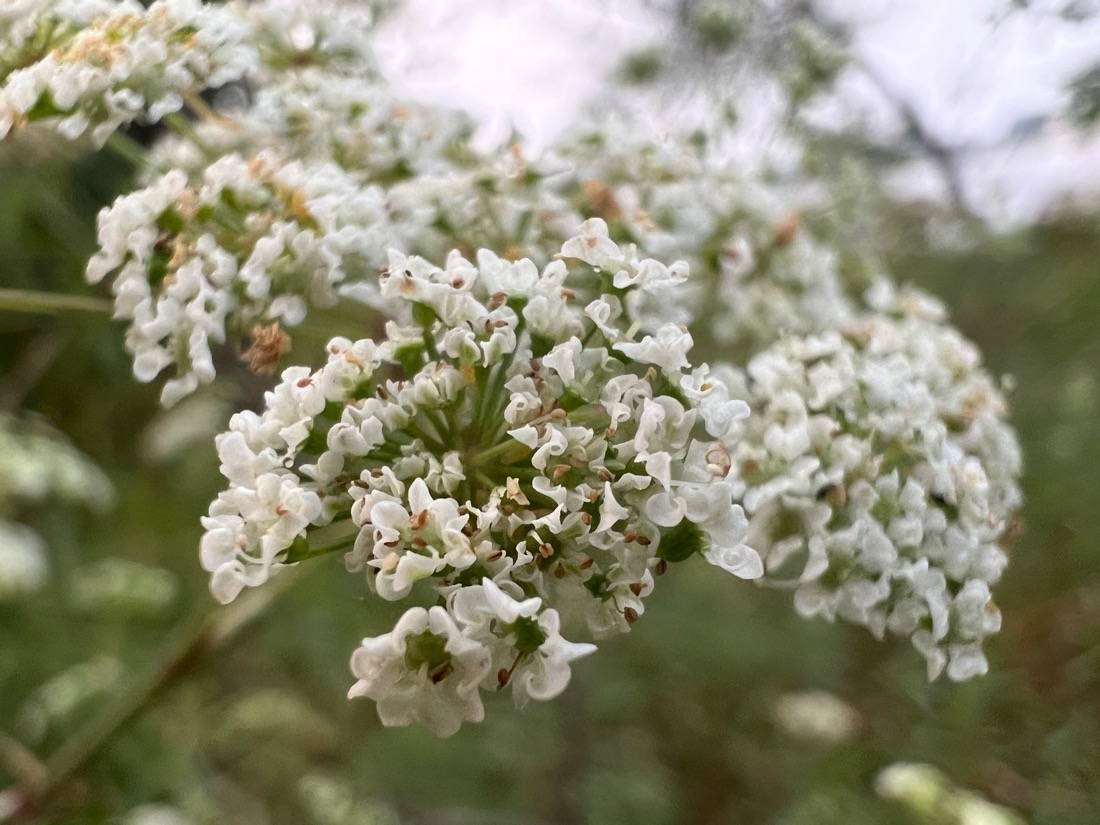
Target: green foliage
x=1084 y=103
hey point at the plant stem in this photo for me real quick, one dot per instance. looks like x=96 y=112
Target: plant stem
x=51 y=303
x=194 y=643
x=183 y=128
x=128 y=149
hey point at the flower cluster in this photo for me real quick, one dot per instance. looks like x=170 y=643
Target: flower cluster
x=254 y=241
x=520 y=439
x=452 y=194
x=680 y=197
x=88 y=66
x=318 y=99
x=523 y=450
x=878 y=474
x=330 y=35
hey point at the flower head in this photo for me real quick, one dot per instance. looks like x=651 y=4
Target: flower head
x=501 y=445
x=878 y=474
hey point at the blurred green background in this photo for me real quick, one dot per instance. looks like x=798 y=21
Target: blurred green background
x=691 y=718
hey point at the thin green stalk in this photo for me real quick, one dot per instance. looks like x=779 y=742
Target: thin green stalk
x=194 y=643
x=500 y=451
x=182 y=126
x=51 y=303
x=128 y=149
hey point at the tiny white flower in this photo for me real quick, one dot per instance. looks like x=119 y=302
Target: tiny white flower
x=424 y=671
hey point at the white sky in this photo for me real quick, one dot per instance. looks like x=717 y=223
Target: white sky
x=970 y=69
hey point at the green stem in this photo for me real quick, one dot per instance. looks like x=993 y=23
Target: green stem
x=499 y=451
x=193 y=645
x=182 y=126
x=328 y=543
x=51 y=303
x=128 y=149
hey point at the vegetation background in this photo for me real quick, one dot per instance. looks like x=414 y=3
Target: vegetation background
x=110 y=679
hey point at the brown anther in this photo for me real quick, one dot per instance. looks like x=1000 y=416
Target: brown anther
x=593 y=496
x=559 y=571
x=418 y=541
x=586 y=518
x=601 y=198
x=376 y=472
x=1014 y=531
x=630 y=614
x=588 y=562
x=645 y=541
x=837 y=495
x=629 y=536
x=302 y=383
x=280 y=510
x=717 y=459
x=458 y=283
x=643 y=219
x=494 y=556
x=559 y=472
x=382 y=392
x=546 y=551
x=268 y=344
x=558 y=414
x=362 y=485
x=604 y=474
x=503 y=675
x=497 y=324
x=418 y=520
x=651 y=375
x=568 y=294
x=390 y=544
x=497 y=299
x=661 y=567
x=636 y=588
x=441 y=673
x=785 y=230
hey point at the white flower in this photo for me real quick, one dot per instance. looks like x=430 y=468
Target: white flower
x=592 y=245
x=424 y=671
x=668 y=350
x=23 y=567
x=528 y=648
x=411 y=544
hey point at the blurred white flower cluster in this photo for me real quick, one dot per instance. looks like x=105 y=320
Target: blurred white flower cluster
x=878 y=474
x=523 y=444
x=91 y=66
x=36 y=464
